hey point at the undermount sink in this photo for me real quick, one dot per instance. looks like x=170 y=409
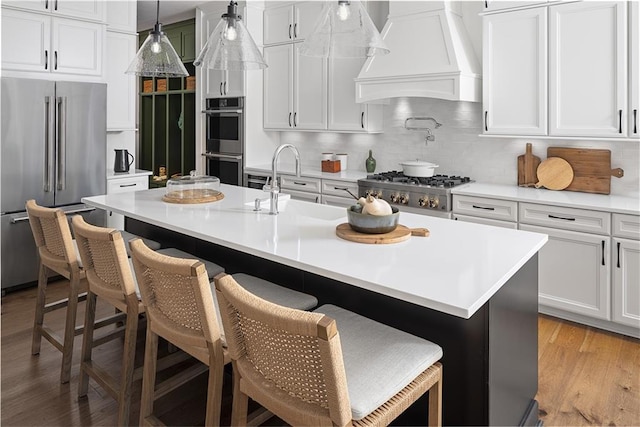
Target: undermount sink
x=307 y=209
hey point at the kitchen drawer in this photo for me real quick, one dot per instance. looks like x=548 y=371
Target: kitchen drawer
x=595 y=222
x=310 y=185
x=123 y=185
x=486 y=221
x=503 y=210
x=626 y=226
x=338 y=188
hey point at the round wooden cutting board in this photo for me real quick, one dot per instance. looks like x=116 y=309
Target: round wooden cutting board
x=400 y=234
x=554 y=173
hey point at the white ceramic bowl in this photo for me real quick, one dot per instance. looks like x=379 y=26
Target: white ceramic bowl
x=418 y=168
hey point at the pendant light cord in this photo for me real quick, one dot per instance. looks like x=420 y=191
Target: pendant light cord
x=158 y=13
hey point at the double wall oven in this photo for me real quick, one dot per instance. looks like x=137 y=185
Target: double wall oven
x=224 y=154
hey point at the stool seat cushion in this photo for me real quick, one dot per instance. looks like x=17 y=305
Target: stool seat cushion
x=127 y=237
x=213 y=269
x=379 y=360
x=274 y=293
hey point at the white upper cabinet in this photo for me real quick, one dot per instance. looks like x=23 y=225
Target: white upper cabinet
x=40 y=43
x=26 y=41
x=634 y=69
x=93 y=10
x=588 y=69
x=292 y=22
x=295 y=89
x=121 y=15
x=515 y=72
x=344 y=113
x=121 y=87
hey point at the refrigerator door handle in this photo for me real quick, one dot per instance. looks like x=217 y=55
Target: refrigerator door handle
x=19 y=219
x=62 y=142
x=48 y=165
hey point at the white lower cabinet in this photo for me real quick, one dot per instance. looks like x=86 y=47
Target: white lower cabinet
x=301 y=188
x=574 y=272
x=626 y=270
x=124 y=185
x=485 y=221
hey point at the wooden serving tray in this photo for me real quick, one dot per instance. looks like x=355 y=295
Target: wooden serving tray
x=400 y=234
x=193 y=196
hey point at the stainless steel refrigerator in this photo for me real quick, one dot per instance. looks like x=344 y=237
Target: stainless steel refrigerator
x=53 y=151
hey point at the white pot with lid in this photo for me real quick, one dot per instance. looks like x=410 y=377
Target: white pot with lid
x=418 y=168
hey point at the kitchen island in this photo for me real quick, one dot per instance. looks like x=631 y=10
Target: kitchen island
x=470 y=288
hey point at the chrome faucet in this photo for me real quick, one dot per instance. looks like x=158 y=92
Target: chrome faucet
x=273 y=187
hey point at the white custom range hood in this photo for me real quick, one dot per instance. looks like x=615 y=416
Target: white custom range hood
x=431 y=56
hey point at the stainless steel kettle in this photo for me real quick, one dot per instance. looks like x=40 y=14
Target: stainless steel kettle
x=122 y=162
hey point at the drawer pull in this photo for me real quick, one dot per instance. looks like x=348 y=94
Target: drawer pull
x=618 y=264
x=128 y=185
x=340 y=188
x=299 y=183
x=483 y=207
x=603 y=252
x=562 y=218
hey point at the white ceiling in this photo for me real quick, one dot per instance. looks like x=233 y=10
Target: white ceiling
x=170 y=11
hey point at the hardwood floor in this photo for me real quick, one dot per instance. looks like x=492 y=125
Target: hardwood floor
x=586 y=376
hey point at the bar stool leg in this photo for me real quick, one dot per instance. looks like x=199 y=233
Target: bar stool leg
x=240 y=404
x=43 y=277
x=148 y=375
x=128 y=360
x=70 y=328
x=87 y=342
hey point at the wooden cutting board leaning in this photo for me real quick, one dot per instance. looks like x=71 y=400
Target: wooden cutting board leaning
x=554 y=173
x=591 y=168
x=527 y=167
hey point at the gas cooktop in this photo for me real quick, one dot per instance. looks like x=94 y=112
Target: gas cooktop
x=440 y=181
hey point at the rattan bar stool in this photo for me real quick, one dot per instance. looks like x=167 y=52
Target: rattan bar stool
x=58 y=256
x=182 y=309
x=327 y=367
x=108 y=271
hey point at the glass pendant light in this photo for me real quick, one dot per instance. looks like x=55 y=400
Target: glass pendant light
x=344 y=30
x=156 y=57
x=230 y=46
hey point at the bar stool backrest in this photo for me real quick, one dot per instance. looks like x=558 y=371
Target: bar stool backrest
x=297 y=351
x=52 y=237
x=177 y=295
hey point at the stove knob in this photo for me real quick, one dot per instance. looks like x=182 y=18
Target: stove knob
x=404 y=199
x=394 y=197
x=434 y=202
x=423 y=201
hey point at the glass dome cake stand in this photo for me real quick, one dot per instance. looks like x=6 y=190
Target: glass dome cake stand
x=193 y=189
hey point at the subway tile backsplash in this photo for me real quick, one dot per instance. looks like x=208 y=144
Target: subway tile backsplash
x=457 y=148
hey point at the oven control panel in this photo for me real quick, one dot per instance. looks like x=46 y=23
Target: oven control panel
x=418 y=200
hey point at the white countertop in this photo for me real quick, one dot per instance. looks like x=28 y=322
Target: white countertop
x=571 y=199
x=132 y=173
x=290 y=169
x=455 y=270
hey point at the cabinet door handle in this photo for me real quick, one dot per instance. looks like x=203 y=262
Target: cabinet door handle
x=635 y=121
x=295 y=30
x=483 y=207
x=289 y=31
x=603 y=252
x=362 y=120
x=486 y=4
x=225 y=88
x=55 y=59
x=46 y=4
x=289 y=118
x=486 y=124
x=618 y=264
x=46 y=59
x=220 y=88
x=619 y=121
x=295 y=119
x=56 y=5
x=560 y=217
x=127 y=185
